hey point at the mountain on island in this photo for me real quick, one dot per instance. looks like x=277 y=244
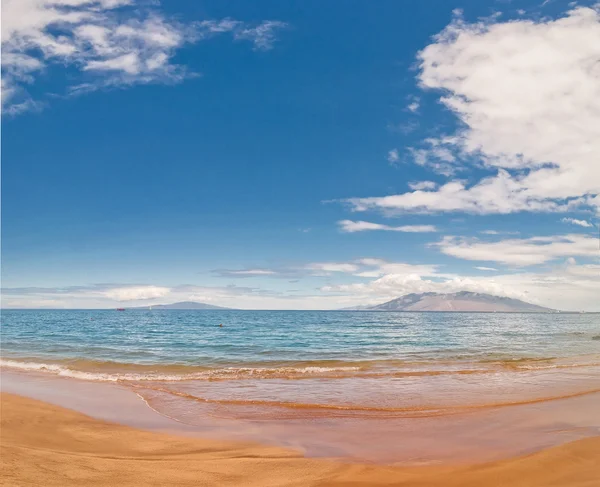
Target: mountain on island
x=462 y=301
x=185 y=305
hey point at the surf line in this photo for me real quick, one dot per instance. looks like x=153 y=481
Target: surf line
x=418 y=411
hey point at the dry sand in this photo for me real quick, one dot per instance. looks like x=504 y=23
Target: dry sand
x=45 y=445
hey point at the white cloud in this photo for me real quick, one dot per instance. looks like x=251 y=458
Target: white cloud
x=135 y=293
x=277 y=272
x=365 y=267
x=380 y=267
x=581 y=223
x=527 y=96
x=350 y=226
x=107 y=296
x=332 y=267
x=421 y=185
x=413 y=107
x=437 y=155
x=520 y=252
x=498 y=232
x=253 y=272
x=109 y=43
x=414 y=104
x=263 y=36
x=480 y=268
x=393 y=156
x=569 y=287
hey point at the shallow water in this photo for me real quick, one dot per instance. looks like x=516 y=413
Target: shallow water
x=290 y=374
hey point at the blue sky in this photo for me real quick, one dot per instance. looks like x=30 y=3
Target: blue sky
x=299 y=155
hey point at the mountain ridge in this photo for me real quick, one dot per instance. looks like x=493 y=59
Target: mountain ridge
x=462 y=301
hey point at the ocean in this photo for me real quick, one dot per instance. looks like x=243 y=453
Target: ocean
x=293 y=367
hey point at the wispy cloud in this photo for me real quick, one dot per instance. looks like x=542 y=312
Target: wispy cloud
x=345 y=267
x=414 y=104
x=109 y=295
x=498 y=232
x=263 y=36
x=567 y=285
x=422 y=185
x=581 y=223
x=520 y=252
x=403 y=128
x=481 y=268
x=113 y=292
x=393 y=156
x=245 y=272
x=108 y=43
x=349 y=226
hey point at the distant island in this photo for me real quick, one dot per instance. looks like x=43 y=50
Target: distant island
x=190 y=305
x=461 y=301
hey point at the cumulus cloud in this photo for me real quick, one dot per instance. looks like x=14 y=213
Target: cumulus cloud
x=520 y=252
x=350 y=226
x=527 y=98
x=569 y=287
x=581 y=223
x=106 y=42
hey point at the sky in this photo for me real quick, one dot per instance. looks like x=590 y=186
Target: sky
x=300 y=154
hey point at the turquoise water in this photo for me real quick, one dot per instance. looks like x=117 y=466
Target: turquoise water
x=324 y=381
x=321 y=361
x=270 y=339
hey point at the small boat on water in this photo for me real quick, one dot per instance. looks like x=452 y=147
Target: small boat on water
x=120 y=309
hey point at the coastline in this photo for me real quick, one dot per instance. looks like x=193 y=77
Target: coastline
x=403 y=391
x=50 y=445
x=473 y=436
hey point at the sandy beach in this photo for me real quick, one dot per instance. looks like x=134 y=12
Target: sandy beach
x=42 y=444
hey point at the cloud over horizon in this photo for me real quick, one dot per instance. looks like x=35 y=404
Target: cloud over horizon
x=565 y=285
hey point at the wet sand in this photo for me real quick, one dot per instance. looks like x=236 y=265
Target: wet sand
x=43 y=444
x=472 y=436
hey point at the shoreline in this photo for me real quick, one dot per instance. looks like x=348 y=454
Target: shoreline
x=472 y=436
x=49 y=445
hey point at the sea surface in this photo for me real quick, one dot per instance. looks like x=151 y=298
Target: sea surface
x=313 y=367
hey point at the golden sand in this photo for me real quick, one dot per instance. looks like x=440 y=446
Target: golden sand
x=45 y=445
